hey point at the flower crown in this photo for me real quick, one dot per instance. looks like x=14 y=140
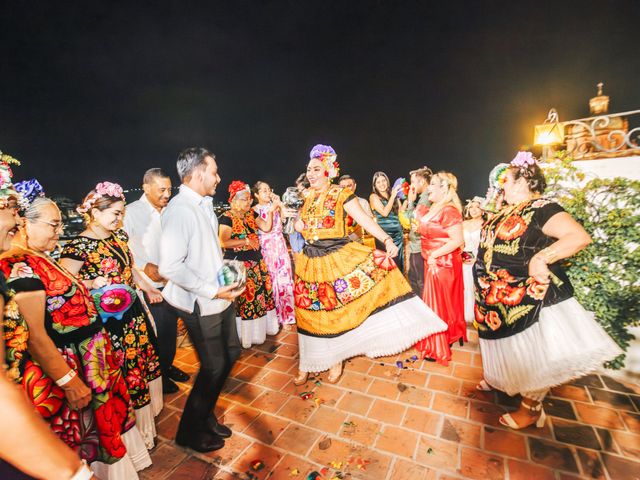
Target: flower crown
x=29 y=190
x=236 y=187
x=7 y=188
x=327 y=155
x=103 y=189
x=523 y=160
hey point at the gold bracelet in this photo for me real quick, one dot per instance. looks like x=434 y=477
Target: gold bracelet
x=549 y=254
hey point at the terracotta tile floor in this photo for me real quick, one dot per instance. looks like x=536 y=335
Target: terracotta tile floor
x=379 y=422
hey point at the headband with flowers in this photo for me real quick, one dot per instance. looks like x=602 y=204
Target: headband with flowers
x=7 y=189
x=103 y=189
x=236 y=187
x=327 y=155
x=523 y=160
x=29 y=190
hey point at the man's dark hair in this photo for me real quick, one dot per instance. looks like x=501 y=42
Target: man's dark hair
x=191 y=159
x=153 y=173
x=346 y=177
x=424 y=172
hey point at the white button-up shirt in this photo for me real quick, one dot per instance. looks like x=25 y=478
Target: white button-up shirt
x=142 y=224
x=190 y=254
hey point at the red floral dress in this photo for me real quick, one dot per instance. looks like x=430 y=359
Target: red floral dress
x=133 y=336
x=443 y=283
x=73 y=325
x=508 y=300
x=257 y=298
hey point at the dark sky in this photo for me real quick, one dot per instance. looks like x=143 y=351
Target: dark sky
x=93 y=91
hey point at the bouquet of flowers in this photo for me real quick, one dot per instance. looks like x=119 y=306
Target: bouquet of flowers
x=113 y=300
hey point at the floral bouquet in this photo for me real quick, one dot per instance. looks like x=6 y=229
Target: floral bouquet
x=113 y=300
x=233 y=271
x=404 y=191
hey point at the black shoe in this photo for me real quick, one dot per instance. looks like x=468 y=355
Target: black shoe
x=178 y=375
x=218 y=428
x=202 y=442
x=169 y=386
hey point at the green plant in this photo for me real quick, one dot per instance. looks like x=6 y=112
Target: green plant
x=606 y=274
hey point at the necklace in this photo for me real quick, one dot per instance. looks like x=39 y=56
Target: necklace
x=121 y=254
x=312 y=212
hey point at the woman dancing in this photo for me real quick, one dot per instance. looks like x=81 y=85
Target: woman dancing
x=533 y=333
x=350 y=300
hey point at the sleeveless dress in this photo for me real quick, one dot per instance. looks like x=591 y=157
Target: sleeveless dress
x=256 y=311
x=532 y=336
x=134 y=335
x=276 y=255
x=104 y=433
x=392 y=227
x=350 y=300
x=443 y=283
x=471 y=243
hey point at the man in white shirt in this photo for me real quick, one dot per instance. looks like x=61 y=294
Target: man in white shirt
x=142 y=224
x=190 y=259
x=356 y=233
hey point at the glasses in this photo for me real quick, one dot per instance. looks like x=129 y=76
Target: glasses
x=57 y=226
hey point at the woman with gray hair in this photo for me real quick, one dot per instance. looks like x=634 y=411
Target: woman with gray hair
x=72 y=376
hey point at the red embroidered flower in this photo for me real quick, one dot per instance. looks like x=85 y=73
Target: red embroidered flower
x=108 y=265
x=349 y=221
x=513 y=296
x=328 y=222
x=45 y=395
x=536 y=290
x=327 y=296
x=512 y=227
x=478 y=314
x=354 y=283
x=55 y=283
x=110 y=418
x=250 y=291
x=493 y=320
x=496 y=292
x=66 y=425
x=301 y=295
x=505 y=275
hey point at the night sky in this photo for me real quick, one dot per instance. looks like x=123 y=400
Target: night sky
x=93 y=91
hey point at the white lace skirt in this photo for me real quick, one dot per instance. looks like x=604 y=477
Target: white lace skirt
x=387 y=332
x=254 y=332
x=469 y=295
x=566 y=343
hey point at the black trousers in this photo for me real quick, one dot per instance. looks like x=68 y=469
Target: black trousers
x=215 y=338
x=416 y=273
x=166 y=319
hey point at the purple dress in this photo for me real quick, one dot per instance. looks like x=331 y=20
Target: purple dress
x=275 y=253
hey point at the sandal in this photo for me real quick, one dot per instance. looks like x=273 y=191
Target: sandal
x=483 y=386
x=301 y=378
x=335 y=373
x=508 y=421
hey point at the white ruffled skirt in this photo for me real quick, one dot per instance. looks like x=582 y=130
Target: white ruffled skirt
x=566 y=343
x=254 y=332
x=136 y=459
x=387 y=332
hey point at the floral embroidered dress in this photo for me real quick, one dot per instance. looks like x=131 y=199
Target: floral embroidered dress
x=443 y=283
x=134 y=335
x=532 y=336
x=350 y=299
x=104 y=434
x=256 y=311
x=276 y=255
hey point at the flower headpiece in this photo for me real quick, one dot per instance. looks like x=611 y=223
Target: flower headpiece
x=236 y=187
x=7 y=188
x=29 y=190
x=327 y=155
x=523 y=160
x=103 y=189
x=476 y=199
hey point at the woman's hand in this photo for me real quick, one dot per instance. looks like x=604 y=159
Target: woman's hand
x=411 y=197
x=254 y=242
x=391 y=248
x=394 y=192
x=99 y=282
x=431 y=260
x=539 y=270
x=77 y=393
x=154 y=295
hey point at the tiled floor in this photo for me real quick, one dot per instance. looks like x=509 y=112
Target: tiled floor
x=423 y=421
